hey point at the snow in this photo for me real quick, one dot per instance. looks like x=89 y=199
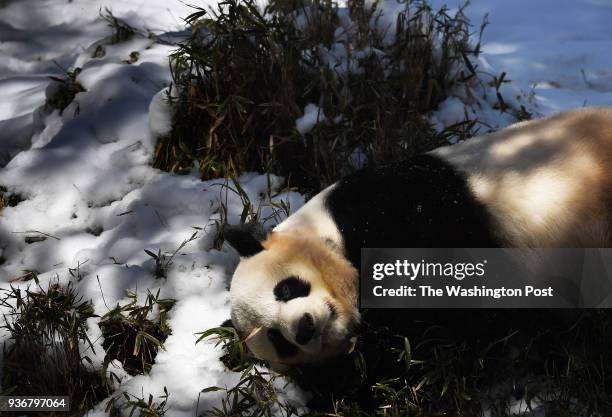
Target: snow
x=86 y=179
x=88 y=186
x=312 y=115
x=560 y=49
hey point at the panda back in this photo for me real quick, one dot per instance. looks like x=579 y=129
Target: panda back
x=546 y=182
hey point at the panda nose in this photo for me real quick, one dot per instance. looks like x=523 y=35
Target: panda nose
x=305 y=329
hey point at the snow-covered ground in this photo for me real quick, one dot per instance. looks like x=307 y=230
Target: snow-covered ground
x=559 y=49
x=87 y=183
x=88 y=187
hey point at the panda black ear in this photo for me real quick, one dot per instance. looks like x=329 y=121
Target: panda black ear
x=228 y=323
x=245 y=238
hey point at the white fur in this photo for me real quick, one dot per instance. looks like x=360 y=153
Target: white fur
x=313 y=219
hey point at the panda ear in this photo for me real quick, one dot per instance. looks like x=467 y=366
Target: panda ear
x=245 y=238
x=228 y=323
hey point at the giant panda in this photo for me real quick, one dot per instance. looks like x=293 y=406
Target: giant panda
x=538 y=183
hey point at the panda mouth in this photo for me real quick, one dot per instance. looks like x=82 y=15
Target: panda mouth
x=323 y=337
x=283 y=347
x=286 y=349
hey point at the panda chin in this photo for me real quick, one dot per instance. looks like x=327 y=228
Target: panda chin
x=338 y=336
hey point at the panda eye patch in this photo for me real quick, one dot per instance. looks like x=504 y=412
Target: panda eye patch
x=291 y=288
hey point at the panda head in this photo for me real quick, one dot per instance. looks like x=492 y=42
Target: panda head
x=293 y=297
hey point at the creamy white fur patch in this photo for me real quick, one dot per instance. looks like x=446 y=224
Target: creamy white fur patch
x=546 y=181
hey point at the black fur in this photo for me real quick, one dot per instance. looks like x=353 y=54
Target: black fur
x=245 y=238
x=420 y=203
x=228 y=323
x=290 y=288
